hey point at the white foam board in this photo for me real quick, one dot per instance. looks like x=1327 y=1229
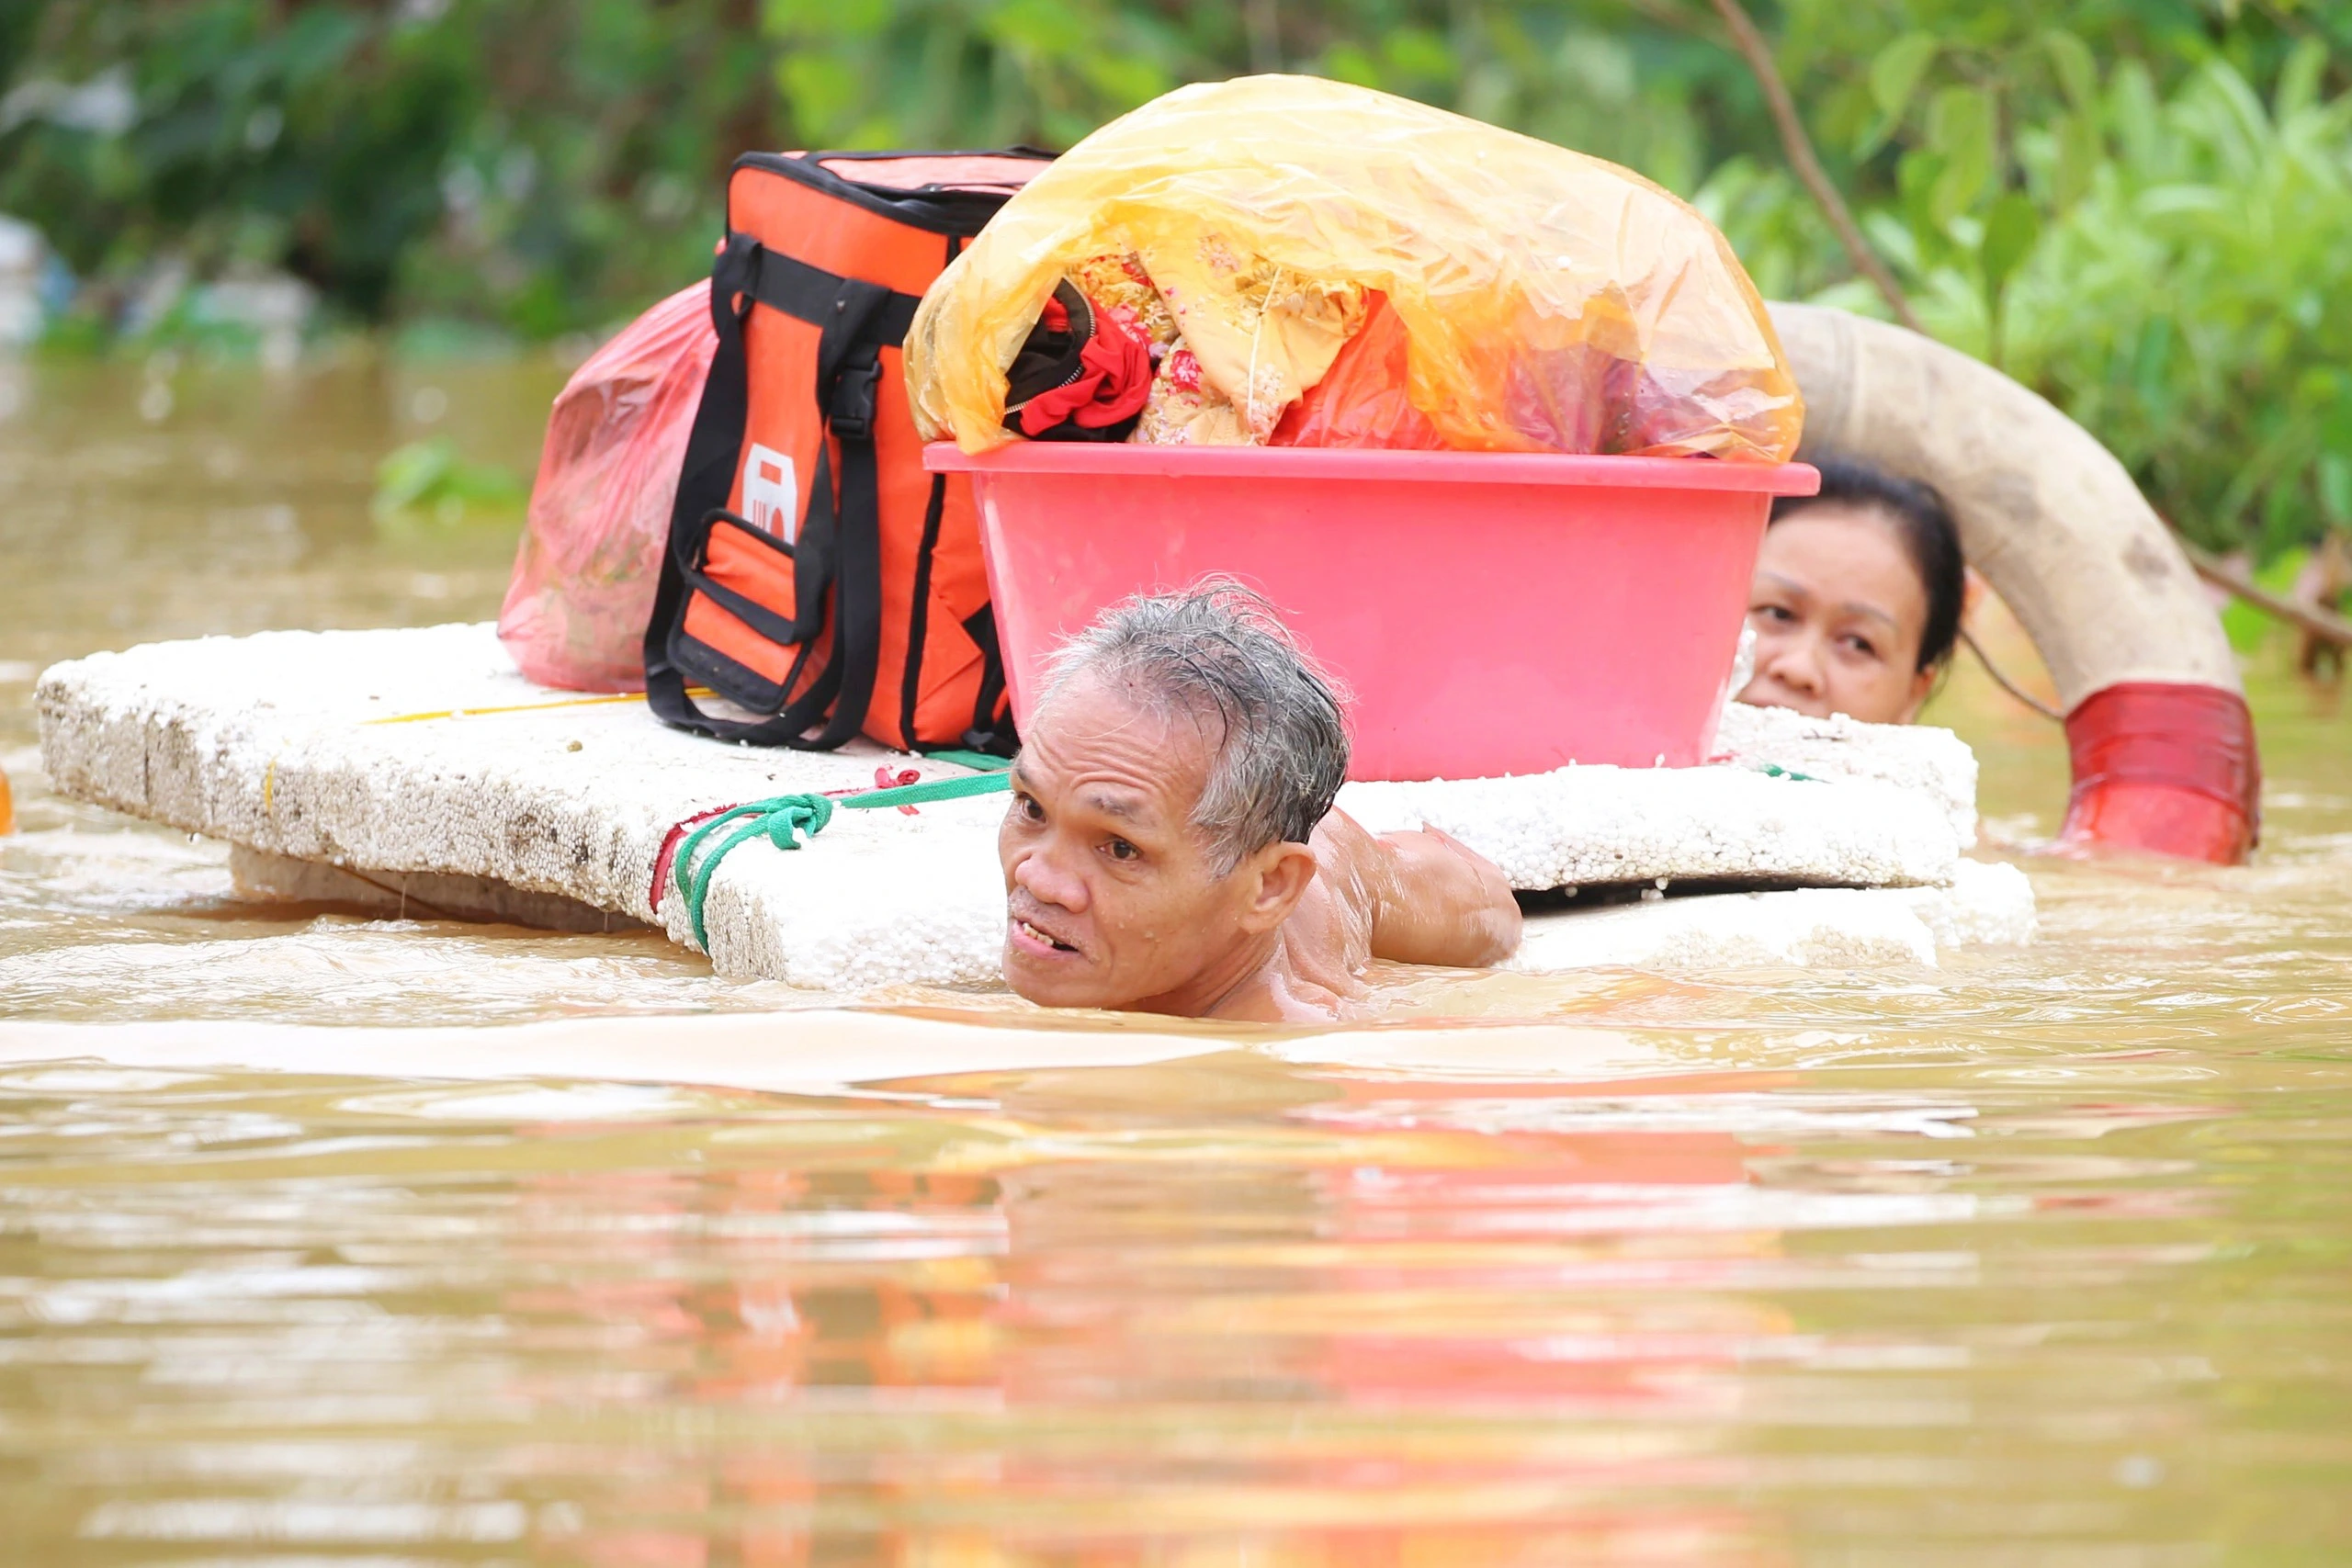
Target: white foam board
x=423 y=752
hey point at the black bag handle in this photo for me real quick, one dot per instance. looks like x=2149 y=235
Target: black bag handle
x=849 y=377
x=839 y=545
x=704 y=477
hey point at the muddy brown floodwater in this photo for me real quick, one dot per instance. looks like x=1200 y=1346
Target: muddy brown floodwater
x=2042 y=1257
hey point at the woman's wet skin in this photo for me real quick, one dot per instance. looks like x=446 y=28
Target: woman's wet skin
x=1838 y=611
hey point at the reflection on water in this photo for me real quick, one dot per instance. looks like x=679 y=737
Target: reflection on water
x=2037 y=1258
x=1836 y=1309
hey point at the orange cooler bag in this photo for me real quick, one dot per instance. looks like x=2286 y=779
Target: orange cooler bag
x=815 y=575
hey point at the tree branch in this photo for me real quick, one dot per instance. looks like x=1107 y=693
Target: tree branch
x=1798 y=147
x=2309 y=617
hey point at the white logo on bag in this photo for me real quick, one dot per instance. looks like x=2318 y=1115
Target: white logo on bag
x=771 y=492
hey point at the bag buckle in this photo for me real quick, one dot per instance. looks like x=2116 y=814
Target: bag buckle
x=855 y=396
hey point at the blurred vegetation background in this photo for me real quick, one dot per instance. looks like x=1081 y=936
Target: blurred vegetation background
x=2141 y=207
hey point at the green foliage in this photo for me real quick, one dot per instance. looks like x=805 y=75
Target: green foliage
x=2172 y=288
x=536 y=164
x=940 y=73
x=2185 y=306
x=2138 y=207
x=246 y=142
x=989 y=72
x=2247 y=628
x=427 y=483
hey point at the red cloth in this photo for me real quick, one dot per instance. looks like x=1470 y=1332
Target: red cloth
x=1360 y=400
x=2164 y=768
x=1114 y=380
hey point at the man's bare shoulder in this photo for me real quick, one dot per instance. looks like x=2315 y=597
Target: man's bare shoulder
x=1341 y=845
x=1327 y=940
x=1424 y=897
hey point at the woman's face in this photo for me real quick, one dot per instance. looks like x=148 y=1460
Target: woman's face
x=1838 y=611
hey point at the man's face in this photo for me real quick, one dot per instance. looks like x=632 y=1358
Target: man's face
x=1111 y=899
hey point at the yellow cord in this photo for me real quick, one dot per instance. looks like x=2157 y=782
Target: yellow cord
x=695 y=692
x=269 y=776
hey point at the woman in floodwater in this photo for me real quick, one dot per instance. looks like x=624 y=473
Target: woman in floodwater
x=1857 y=598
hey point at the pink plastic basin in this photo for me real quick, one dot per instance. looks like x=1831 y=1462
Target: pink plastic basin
x=1492 y=614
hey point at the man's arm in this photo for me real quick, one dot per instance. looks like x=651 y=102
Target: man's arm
x=1431 y=898
x=1443 y=902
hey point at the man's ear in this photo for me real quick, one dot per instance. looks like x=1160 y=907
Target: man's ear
x=1282 y=871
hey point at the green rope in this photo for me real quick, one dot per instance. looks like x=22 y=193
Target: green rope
x=1774 y=771
x=791 y=820
x=983 y=761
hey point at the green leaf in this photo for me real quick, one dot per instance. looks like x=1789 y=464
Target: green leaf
x=2248 y=627
x=1349 y=62
x=2335 y=488
x=2069 y=57
x=2079 y=147
x=430 y=478
x=2299 y=79
x=413 y=473
x=2177 y=200
x=1960 y=128
x=1916 y=177
x=1420 y=55
x=2136 y=115
x=823 y=98
x=1892 y=239
x=1125 y=82
x=2011 y=230
x=1895 y=72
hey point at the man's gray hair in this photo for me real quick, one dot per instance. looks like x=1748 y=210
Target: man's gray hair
x=1281 y=748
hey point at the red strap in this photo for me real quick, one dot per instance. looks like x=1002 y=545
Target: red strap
x=2167 y=767
x=885 y=779
x=670 y=841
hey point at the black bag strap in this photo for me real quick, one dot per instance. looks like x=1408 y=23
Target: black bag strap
x=704 y=477
x=849 y=378
x=991 y=732
x=812 y=294
x=839 y=545
x=695 y=569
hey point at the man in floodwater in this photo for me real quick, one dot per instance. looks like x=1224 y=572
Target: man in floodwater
x=1171 y=845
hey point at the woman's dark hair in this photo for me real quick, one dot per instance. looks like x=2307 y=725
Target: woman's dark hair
x=1924 y=525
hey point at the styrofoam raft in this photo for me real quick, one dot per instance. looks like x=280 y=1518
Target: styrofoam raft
x=1916 y=759
x=425 y=751
x=1807 y=926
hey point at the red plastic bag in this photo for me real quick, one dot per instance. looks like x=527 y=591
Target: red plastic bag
x=1360 y=400
x=1577 y=398
x=583 y=581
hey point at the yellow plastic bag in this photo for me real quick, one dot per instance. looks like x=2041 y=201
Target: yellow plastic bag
x=1552 y=302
